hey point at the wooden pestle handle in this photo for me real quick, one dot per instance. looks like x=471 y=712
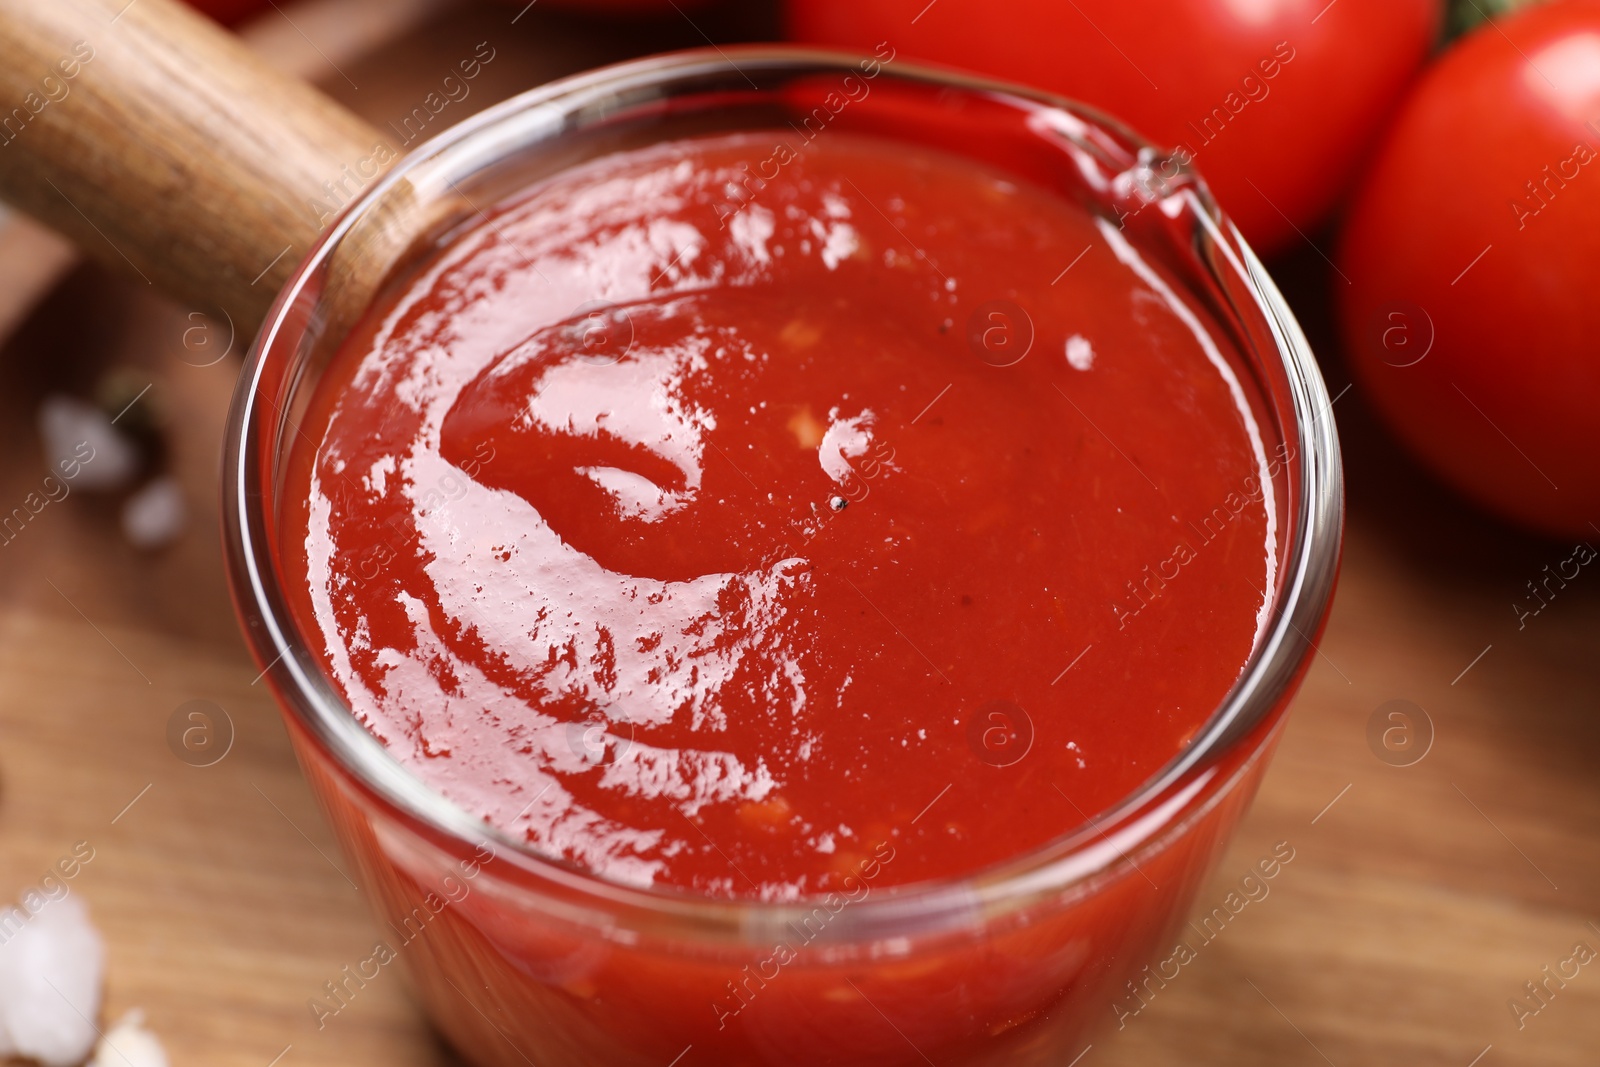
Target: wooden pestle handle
x=155 y=140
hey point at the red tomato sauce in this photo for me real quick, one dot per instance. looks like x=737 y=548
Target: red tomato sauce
x=888 y=518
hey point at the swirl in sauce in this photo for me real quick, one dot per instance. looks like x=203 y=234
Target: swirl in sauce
x=711 y=550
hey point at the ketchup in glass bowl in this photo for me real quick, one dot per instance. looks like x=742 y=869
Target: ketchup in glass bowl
x=794 y=559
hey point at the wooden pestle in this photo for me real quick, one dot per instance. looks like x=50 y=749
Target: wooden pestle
x=160 y=144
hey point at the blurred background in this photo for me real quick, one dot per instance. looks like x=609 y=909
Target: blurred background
x=1416 y=176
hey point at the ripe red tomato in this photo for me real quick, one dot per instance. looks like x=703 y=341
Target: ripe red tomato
x=1477 y=230
x=229 y=12
x=1276 y=99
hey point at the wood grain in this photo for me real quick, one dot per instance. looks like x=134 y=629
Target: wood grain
x=160 y=144
x=309 y=39
x=1417 y=905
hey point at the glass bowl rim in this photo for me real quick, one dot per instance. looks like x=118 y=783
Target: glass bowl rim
x=1143 y=819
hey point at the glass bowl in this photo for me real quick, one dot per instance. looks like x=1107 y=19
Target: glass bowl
x=522 y=959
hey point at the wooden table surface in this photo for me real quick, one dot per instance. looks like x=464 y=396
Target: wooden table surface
x=1420 y=901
